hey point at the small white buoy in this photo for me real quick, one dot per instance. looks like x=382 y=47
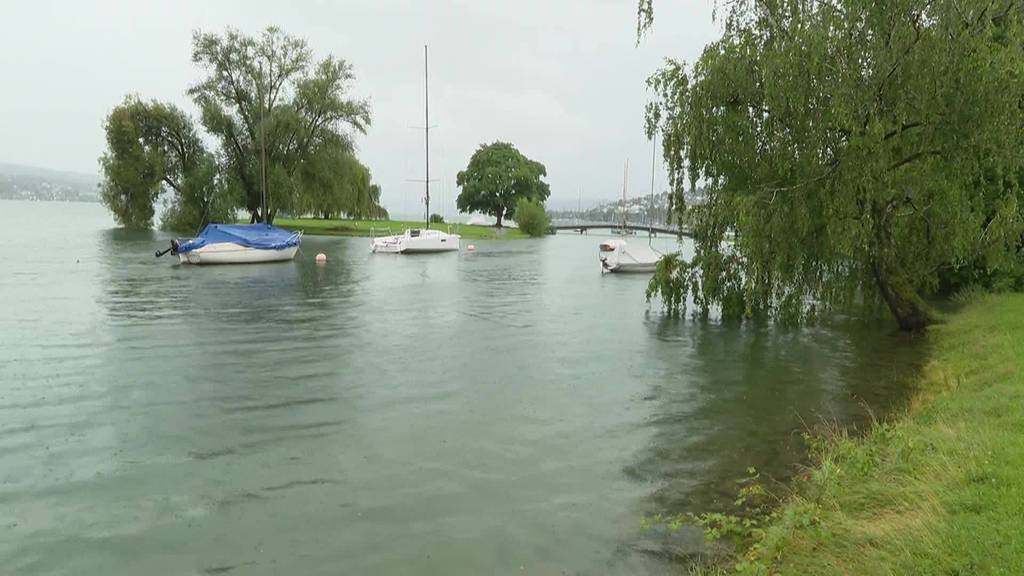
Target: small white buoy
x=321 y=258
x=471 y=248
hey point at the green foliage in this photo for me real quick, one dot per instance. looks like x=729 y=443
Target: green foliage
x=496 y=178
x=849 y=151
x=258 y=93
x=132 y=168
x=152 y=148
x=436 y=219
x=532 y=218
x=200 y=200
x=268 y=89
x=753 y=508
x=334 y=183
x=670 y=282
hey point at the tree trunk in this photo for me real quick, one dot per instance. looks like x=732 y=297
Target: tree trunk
x=254 y=217
x=500 y=213
x=911 y=312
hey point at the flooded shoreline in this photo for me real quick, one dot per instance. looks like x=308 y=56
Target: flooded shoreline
x=489 y=411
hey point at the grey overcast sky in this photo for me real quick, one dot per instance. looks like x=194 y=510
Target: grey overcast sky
x=561 y=79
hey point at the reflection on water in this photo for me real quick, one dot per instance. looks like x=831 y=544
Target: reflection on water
x=503 y=411
x=751 y=393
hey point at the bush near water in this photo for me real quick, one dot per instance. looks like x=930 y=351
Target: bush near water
x=532 y=218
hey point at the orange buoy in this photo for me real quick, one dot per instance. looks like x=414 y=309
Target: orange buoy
x=321 y=258
x=471 y=248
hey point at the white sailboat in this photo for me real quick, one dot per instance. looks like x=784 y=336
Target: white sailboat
x=416 y=241
x=619 y=256
x=425 y=240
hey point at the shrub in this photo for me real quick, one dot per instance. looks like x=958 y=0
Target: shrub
x=532 y=218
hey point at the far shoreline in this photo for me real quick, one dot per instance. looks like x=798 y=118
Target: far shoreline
x=371 y=228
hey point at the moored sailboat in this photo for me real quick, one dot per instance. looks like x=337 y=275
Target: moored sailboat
x=619 y=256
x=240 y=243
x=419 y=241
x=237 y=244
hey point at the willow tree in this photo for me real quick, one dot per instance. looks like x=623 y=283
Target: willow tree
x=849 y=150
x=265 y=96
x=153 y=148
x=280 y=119
x=335 y=183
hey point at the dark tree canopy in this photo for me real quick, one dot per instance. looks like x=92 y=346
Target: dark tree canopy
x=256 y=89
x=153 y=147
x=272 y=82
x=498 y=175
x=850 y=150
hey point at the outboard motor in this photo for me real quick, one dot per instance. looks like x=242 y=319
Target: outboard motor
x=173 y=249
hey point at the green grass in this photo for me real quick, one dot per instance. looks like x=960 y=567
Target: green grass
x=937 y=490
x=318 y=227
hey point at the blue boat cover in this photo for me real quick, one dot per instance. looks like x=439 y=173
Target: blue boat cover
x=259 y=236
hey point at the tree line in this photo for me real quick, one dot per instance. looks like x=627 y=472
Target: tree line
x=282 y=127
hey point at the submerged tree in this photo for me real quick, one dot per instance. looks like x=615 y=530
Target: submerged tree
x=498 y=176
x=153 y=148
x=849 y=150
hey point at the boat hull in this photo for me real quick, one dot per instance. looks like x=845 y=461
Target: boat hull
x=620 y=257
x=231 y=253
x=428 y=242
x=631 y=268
x=429 y=249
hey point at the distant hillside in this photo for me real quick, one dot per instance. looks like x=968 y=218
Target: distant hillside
x=18 y=182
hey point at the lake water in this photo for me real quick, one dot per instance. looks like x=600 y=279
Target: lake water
x=507 y=411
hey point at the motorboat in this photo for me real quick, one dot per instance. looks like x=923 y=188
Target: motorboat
x=416 y=241
x=237 y=244
x=618 y=256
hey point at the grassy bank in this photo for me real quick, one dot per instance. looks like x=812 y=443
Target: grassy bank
x=939 y=490
x=318 y=227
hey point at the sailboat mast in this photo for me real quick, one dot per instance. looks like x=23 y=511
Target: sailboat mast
x=426 y=130
x=650 y=214
x=625 y=177
x=263 y=153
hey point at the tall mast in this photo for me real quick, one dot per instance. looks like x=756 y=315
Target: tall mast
x=426 y=129
x=625 y=177
x=650 y=214
x=263 y=152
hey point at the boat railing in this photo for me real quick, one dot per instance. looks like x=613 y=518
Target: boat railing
x=385 y=231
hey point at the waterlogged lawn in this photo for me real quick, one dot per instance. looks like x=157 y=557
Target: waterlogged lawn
x=938 y=491
x=319 y=227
